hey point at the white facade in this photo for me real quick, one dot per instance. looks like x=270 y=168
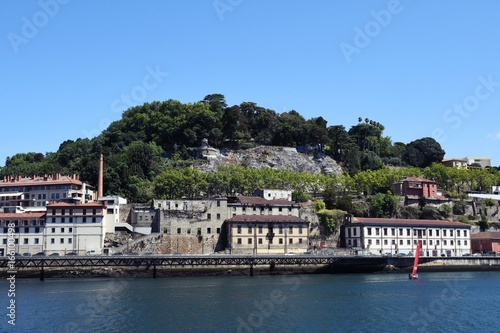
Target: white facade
x=271 y=194
x=388 y=236
x=112 y=216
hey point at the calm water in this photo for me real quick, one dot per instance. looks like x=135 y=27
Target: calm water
x=437 y=302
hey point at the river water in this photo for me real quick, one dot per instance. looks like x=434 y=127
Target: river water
x=437 y=302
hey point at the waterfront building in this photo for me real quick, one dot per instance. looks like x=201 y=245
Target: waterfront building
x=267 y=234
x=76 y=228
x=205 y=218
x=486 y=242
x=23 y=194
x=28 y=236
x=400 y=236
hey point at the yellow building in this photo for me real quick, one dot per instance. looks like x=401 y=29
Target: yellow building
x=267 y=234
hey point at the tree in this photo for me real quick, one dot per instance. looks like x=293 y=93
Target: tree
x=423 y=152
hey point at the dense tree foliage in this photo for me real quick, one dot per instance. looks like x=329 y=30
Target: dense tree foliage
x=150 y=151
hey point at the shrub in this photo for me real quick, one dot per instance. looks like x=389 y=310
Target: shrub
x=459 y=207
x=489 y=202
x=463 y=219
x=444 y=210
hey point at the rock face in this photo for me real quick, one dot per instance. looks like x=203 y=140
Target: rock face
x=280 y=158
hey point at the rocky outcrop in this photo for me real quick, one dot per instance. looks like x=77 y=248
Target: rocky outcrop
x=280 y=158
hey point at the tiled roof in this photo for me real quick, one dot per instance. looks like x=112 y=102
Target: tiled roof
x=265 y=218
x=249 y=200
x=409 y=222
x=20 y=216
x=40 y=181
x=486 y=235
x=78 y=205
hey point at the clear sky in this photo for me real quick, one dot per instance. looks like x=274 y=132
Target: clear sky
x=420 y=68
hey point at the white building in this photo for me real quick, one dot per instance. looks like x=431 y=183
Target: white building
x=396 y=236
x=481 y=160
x=28 y=235
x=113 y=216
x=74 y=228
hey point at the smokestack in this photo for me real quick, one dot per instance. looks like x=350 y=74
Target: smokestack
x=101 y=177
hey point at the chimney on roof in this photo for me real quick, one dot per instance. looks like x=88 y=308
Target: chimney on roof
x=101 y=177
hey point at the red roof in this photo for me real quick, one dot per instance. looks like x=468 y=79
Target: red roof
x=409 y=222
x=486 y=235
x=266 y=218
x=77 y=205
x=40 y=181
x=22 y=216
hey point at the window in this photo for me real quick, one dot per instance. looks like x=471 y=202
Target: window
x=300 y=229
x=37 y=240
x=25 y=222
x=179 y=230
x=430 y=241
x=354 y=231
x=37 y=230
x=369 y=242
x=238 y=241
x=400 y=242
x=70 y=240
x=63 y=211
x=300 y=240
x=70 y=229
x=377 y=231
x=437 y=233
x=52 y=241
x=260 y=230
x=458 y=233
x=209 y=230
x=218 y=216
x=260 y=240
x=280 y=241
x=385 y=241
x=239 y=229
x=437 y=242
x=385 y=231
x=393 y=242
x=84 y=219
x=369 y=231
x=408 y=242
x=430 y=233
x=281 y=230
x=249 y=241
x=62 y=229
x=451 y=233
x=290 y=230
x=465 y=242
x=53 y=230
x=218 y=203
x=62 y=240
x=218 y=230
x=400 y=231
x=424 y=242
x=377 y=242
x=209 y=216
x=459 y=243
x=407 y=232
x=451 y=242
x=25 y=240
x=26 y=230
x=84 y=212
x=444 y=242
x=62 y=220
x=393 y=232
x=290 y=240
x=94 y=220
x=444 y=233
x=465 y=233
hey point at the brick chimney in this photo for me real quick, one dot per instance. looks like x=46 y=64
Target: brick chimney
x=101 y=177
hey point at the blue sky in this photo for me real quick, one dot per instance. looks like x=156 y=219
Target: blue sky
x=421 y=68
